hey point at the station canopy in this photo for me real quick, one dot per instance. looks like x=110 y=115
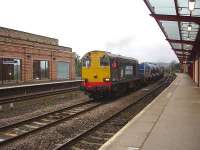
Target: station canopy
x=180 y=21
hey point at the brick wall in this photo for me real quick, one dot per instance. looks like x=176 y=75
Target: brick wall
x=40 y=48
x=5 y=32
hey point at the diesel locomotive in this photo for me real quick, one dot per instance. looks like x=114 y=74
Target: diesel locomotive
x=107 y=74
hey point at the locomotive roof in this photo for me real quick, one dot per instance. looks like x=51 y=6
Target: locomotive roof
x=151 y=65
x=120 y=56
x=115 y=56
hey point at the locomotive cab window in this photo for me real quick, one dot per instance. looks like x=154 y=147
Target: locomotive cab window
x=104 y=61
x=86 y=62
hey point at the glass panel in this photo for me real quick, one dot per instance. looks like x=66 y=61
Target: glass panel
x=36 y=70
x=180 y=56
x=104 y=61
x=187 y=53
x=62 y=70
x=197 y=5
x=189 y=35
x=10 y=70
x=183 y=7
x=171 y=28
x=163 y=7
x=184 y=12
x=179 y=52
x=128 y=70
x=44 y=66
x=86 y=62
x=40 y=69
x=187 y=47
x=183 y=3
x=193 y=37
x=17 y=69
x=196 y=11
x=176 y=46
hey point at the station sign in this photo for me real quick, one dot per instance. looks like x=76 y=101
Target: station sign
x=11 y=62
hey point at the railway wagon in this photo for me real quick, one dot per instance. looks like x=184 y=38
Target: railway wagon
x=107 y=74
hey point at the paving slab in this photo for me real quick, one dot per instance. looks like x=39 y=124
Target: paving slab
x=170 y=122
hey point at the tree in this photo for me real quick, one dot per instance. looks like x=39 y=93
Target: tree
x=78 y=65
x=174 y=66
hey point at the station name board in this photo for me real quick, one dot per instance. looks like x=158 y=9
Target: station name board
x=9 y=62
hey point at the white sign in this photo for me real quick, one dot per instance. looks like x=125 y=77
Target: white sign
x=9 y=62
x=129 y=70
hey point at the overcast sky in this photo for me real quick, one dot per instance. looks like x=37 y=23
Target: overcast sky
x=120 y=26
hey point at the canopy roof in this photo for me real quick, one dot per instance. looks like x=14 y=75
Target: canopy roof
x=179 y=24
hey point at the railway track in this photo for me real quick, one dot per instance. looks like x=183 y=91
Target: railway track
x=20 y=98
x=96 y=136
x=14 y=131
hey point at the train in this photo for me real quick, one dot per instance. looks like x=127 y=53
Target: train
x=109 y=75
x=150 y=71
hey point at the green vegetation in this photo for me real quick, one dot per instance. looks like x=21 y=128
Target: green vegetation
x=174 y=67
x=78 y=65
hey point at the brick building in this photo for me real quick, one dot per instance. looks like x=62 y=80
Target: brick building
x=26 y=57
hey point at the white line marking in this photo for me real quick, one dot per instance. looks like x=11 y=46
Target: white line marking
x=133 y=148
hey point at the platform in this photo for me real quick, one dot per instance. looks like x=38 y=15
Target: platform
x=36 y=84
x=17 y=91
x=170 y=122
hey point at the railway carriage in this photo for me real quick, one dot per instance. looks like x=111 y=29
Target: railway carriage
x=145 y=71
x=150 y=71
x=107 y=74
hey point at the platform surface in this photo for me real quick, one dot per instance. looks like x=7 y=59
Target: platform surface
x=170 y=122
x=4 y=86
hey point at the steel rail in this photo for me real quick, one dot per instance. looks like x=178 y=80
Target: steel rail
x=36 y=95
x=4 y=131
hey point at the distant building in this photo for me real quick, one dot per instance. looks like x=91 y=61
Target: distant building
x=26 y=57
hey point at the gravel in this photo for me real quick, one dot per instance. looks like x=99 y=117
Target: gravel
x=35 y=107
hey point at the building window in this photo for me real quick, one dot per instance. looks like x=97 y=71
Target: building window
x=62 y=70
x=40 y=69
x=10 y=70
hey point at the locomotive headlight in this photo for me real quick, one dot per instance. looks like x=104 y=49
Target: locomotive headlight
x=106 y=79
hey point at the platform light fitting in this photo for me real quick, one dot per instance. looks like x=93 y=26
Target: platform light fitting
x=189 y=27
x=191 y=5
